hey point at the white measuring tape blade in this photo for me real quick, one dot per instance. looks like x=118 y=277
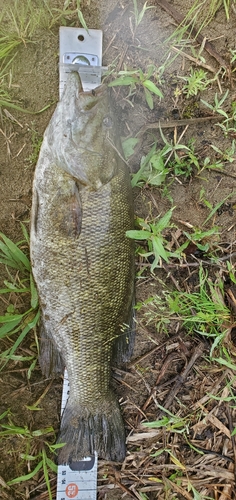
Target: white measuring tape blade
x=79 y=51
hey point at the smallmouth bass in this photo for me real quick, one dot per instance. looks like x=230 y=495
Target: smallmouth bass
x=83 y=265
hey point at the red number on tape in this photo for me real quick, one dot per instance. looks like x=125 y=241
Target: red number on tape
x=72 y=490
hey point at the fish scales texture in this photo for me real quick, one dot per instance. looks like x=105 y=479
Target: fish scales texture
x=83 y=266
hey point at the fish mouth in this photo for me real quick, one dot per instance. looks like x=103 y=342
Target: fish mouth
x=74 y=80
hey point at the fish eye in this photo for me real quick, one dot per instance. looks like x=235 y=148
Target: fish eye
x=107 y=121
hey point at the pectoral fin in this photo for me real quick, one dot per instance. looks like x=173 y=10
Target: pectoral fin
x=69 y=214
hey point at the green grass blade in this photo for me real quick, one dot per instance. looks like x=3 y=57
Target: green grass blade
x=46 y=476
x=137 y=235
x=9 y=104
x=20 y=479
x=52 y=465
x=153 y=88
x=18 y=341
x=82 y=20
x=14 y=289
x=25 y=233
x=17 y=254
x=128 y=80
x=9 y=328
x=12 y=317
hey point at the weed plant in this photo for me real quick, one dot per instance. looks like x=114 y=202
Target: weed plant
x=153 y=234
x=196 y=82
x=136 y=78
x=174 y=159
x=36 y=145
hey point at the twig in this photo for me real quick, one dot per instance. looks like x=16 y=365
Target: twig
x=172 y=278
x=178 y=123
x=223 y=172
x=126 y=490
x=181 y=378
x=149 y=353
x=208 y=452
x=170 y=358
x=195 y=60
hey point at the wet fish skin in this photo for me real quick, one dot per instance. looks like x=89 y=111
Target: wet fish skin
x=83 y=266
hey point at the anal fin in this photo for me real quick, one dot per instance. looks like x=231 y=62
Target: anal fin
x=50 y=360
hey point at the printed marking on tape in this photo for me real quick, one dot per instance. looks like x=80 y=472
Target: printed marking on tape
x=72 y=490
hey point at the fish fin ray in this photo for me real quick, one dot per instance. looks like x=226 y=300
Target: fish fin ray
x=50 y=360
x=85 y=431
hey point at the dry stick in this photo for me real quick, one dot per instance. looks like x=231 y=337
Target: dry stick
x=149 y=353
x=126 y=490
x=181 y=378
x=208 y=45
x=223 y=172
x=169 y=360
x=201 y=261
x=178 y=123
x=193 y=59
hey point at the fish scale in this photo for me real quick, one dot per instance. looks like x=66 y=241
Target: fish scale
x=83 y=265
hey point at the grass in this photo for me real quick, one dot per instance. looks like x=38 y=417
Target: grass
x=202 y=312
x=20 y=23
x=16 y=325
x=152 y=234
x=199 y=16
x=38 y=453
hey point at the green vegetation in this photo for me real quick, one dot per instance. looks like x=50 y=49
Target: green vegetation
x=201 y=312
x=199 y=16
x=37 y=450
x=36 y=145
x=138 y=16
x=152 y=233
x=16 y=324
x=137 y=78
x=20 y=24
x=196 y=82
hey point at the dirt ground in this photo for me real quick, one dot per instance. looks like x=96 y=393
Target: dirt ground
x=34 y=84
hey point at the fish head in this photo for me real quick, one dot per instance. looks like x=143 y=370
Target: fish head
x=82 y=134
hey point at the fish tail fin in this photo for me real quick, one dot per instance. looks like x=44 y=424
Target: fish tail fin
x=86 y=431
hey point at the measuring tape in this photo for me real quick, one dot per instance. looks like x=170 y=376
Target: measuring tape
x=79 y=51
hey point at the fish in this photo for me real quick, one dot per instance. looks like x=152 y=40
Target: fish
x=83 y=266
